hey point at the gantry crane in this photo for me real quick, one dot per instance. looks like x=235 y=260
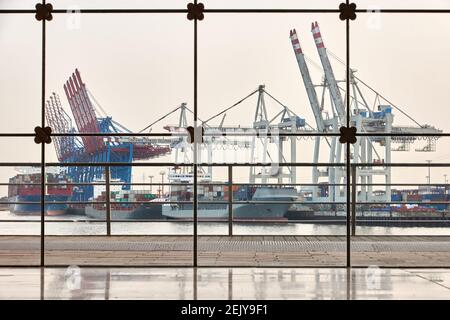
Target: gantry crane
x=256 y=138
x=364 y=119
x=94 y=148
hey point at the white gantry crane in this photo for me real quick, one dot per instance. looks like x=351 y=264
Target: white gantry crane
x=262 y=140
x=364 y=119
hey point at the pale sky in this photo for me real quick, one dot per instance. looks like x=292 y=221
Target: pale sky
x=438 y=4
x=139 y=67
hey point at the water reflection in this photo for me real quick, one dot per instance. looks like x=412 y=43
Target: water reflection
x=222 y=283
x=77 y=227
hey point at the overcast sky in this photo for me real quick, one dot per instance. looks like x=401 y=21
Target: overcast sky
x=139 y=67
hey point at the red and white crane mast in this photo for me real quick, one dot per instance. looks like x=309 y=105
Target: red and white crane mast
x=329 y=75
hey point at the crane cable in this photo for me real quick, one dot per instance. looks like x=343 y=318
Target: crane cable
x=290 y=110
x=376 y=92
x=102 y=111
x=287 y=108
x=163 y=117
x=232 y=106
x=316 y=65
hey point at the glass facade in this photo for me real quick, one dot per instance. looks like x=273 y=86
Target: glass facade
x=230 y=134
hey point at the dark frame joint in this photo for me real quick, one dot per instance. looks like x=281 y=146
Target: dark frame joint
x=43 y=135
x=44 y=11
x=347 y=11
x=195 y=11
x=348 y=135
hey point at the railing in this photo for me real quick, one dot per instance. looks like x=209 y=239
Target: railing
x=351 y=216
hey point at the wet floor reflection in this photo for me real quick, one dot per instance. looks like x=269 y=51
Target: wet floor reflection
x=223 y=283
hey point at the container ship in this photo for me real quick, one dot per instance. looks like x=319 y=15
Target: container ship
x=149 y=206
x=426 y=196
x=24 y=194
x=218 y=195
x=423 y=206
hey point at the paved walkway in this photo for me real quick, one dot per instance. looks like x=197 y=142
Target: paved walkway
x=411 y=251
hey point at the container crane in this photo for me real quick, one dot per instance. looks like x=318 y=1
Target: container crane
x=364 y=119
x=329 y=75
x=335 y=173
x=322 y=125
x=60 y=121
x=263 y=132
x=94 y=148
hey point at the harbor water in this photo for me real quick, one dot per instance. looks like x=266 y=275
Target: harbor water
x=11 y=224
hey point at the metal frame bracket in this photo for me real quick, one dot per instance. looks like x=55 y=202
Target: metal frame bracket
x=195 y=11
x=347 y=11
x=348 y=135
x=44 y=11
x=43 y=135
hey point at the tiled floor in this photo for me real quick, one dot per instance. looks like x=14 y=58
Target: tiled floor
x=221 y=251
x=223 y=283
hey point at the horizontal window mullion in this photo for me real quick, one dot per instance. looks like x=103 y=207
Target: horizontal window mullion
x=229 y=10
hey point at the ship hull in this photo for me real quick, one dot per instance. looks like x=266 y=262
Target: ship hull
x=248 y=211
x=153 y=211
x=240 y=212
x=186 y=211
x=55 y=212
x=56 y=209
x=275 y=211
x=31 y=205
x=25 y=209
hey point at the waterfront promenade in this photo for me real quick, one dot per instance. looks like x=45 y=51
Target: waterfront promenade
x=412 y=251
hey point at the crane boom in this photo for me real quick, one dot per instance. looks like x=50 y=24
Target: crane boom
x=310 y=90
x=60 y=122
x=329 y=75
x=83 y=112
